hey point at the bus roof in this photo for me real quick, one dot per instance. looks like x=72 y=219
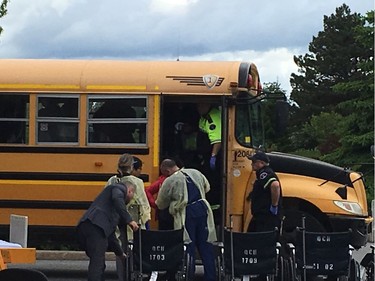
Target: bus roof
x=103 y=76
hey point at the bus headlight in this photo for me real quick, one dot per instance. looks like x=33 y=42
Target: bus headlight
x=350 y=207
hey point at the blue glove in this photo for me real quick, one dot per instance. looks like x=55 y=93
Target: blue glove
x=213 y=162
x=274 y=210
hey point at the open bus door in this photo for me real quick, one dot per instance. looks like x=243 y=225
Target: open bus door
x=182 y=141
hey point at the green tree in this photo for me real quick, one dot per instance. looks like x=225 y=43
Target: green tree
x=358 y=112
x=334 y=116
x=3 y=11
x=332 y=59
x=272 y=109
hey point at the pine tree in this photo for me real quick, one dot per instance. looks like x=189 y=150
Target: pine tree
x=330 y=62
x=334 y=92
x=358 y=109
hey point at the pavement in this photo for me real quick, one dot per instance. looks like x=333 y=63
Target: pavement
x=67 y=255
x=72 y=265
x=81 y=255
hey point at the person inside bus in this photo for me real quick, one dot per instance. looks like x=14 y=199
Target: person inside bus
x=187 y=150
x=210 y=123
x=96 y=229
x=266 y=196
x=183 y=193
x=138 y=207
x=209 y=145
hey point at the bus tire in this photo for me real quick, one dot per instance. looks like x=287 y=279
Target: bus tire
x=293 y=219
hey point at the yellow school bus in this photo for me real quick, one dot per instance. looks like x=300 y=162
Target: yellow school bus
x=64 y=124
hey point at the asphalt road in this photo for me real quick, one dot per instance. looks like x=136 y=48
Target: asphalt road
x=58 y=267
x=63 y=270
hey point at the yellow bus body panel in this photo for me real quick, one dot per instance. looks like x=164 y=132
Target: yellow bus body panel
x=98 y=76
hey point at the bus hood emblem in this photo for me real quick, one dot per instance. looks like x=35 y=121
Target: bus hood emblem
x=210 y=80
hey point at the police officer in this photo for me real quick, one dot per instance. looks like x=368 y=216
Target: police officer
x=266 y=196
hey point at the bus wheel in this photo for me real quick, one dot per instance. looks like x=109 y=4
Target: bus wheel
x=293 y=219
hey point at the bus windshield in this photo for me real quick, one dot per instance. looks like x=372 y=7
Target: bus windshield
x=249 y=126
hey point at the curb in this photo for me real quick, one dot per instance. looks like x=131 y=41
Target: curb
x=68 y=255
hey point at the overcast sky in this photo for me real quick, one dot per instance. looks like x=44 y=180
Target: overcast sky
x=267 y=33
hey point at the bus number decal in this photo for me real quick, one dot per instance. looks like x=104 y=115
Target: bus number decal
x=241 y=154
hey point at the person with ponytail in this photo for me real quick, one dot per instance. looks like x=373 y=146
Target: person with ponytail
x=139 y=207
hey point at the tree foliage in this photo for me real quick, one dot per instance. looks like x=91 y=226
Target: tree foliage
x=3 y=11
x=333 y=118
x=274 y=131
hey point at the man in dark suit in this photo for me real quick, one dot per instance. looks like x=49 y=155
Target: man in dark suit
x=96 y=228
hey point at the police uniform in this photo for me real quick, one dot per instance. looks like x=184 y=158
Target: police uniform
x=263 y=219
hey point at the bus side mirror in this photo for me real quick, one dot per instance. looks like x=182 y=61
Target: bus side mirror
x=282 y=113
x=372 y=151
x=342 y=191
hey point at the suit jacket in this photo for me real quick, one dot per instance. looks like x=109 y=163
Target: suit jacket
x=109 y=209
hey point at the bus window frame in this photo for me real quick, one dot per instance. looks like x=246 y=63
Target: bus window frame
x=57 y=119
x=25 y=120
x=123 y=120
x=250 y=103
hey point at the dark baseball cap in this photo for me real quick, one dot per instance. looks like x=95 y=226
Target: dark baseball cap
x=260 y=155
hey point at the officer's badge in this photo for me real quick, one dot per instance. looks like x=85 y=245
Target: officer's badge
x=212 y=127
x=263 y=175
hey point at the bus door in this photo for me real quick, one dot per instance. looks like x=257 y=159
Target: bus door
x=183 y=141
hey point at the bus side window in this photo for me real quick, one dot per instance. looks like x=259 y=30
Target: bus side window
x=58 y=119
x=116 y=132
x=14 y=118
x=117 y=119
x=68 y=131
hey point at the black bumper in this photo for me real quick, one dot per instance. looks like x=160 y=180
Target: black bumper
x=357 y=225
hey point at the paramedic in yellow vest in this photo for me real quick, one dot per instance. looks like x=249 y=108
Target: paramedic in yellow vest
x=210 y=123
